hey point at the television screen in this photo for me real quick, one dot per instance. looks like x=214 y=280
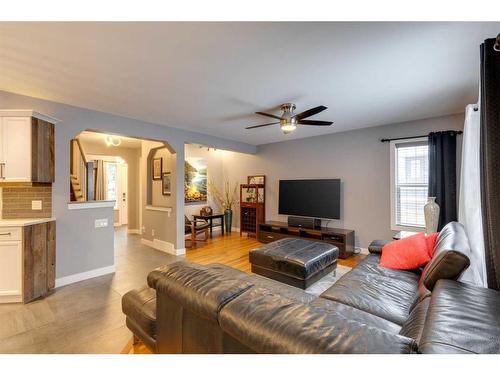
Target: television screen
x=313 y=198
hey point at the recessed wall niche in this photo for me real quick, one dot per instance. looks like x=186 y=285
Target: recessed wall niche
x=154 y=195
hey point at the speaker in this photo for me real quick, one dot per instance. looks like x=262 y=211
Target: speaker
x=304 y=222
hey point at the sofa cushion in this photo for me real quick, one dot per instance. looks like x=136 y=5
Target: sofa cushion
x=371 y=264
x=270 y=323
x=351 y=313
x=295 y=257
x=450 y=258
x=406 y=254
x=384 y=296
x=139 y=305
x=462 y=319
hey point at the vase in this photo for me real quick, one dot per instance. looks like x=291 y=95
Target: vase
x=228 y=219
x=431 y=213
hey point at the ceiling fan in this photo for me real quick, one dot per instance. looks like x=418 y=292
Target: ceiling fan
x=289 y=120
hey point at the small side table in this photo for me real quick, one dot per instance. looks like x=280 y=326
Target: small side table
x=403 y=234
x=210 y=219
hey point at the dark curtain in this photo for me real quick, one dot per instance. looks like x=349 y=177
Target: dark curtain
x=490 y=159
x=443 y=174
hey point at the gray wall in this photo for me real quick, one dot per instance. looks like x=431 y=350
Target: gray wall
x=357 y=157
x=80 y=247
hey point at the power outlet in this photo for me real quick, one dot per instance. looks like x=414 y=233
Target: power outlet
x=36 y=205
x=101 y=223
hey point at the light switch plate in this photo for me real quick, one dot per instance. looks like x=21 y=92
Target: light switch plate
x=101 y=223
x=36 y=205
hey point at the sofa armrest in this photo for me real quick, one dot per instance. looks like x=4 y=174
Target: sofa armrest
x=376 y=246
x=269 y=323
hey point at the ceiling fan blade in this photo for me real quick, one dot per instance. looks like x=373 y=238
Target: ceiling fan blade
x=315 y=122
x=310 y=112
x=259 y=126
x=268 y=115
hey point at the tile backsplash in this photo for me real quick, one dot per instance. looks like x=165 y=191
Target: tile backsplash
x=16 y=202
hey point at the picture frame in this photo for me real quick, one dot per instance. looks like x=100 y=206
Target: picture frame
x=166 y=183
x=256 y=180
x=157 y=168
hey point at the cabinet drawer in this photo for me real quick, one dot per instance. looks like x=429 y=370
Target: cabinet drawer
x=270 y=236
x=11 y=234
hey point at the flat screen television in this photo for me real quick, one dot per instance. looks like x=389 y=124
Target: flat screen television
x=312 y=198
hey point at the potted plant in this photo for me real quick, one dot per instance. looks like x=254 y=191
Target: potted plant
x=225 y=199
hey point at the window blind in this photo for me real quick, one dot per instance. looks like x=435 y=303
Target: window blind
x=411 y=182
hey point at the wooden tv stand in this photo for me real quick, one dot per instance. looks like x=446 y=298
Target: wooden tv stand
x=342 y=238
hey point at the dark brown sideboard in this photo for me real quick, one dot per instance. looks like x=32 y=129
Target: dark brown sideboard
x=342 y=238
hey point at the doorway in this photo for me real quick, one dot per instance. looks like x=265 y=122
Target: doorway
x=116 y=186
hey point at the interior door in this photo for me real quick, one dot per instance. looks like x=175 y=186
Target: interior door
x=123 y=193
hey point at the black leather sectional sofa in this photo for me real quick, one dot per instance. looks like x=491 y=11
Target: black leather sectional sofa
x=189 y=308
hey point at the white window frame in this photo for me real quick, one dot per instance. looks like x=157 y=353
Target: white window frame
x=392 y=147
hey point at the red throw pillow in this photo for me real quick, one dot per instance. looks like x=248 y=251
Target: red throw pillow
x=406 y=254
x=431 y=242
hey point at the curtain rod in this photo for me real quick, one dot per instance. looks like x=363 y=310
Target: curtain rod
x=416 y=136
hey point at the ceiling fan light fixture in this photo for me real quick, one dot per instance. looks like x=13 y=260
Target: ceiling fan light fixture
x=288 y=128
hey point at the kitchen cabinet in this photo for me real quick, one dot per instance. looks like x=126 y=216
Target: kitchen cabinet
x=26 y=147
x=11 y=265
x=28 y=259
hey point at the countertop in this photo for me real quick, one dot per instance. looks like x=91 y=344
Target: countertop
x=24 y=222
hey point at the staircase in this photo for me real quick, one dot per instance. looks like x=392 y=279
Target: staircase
x=76 y=190
x=81 y=174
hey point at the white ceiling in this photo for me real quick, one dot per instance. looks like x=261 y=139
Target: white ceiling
x=211 y=77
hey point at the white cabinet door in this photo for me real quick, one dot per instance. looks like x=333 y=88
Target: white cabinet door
x=15 y=153
x=11 y=270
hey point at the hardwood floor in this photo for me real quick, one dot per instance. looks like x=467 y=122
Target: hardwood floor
x=232 y=250
x=86 y=317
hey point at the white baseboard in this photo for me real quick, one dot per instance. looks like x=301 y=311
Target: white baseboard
x=164 y=246
x=133 y=231
x=11 y=296
x=181 y=251
x=66 y=280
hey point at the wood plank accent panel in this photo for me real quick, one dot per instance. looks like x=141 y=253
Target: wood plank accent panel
x=51 y=255
x=38 y=260
x=42 y=151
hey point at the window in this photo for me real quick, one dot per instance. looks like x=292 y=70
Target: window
x=111 y=182
x=409 y=183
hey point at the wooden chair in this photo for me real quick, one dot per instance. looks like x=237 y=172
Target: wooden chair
x=194 y=228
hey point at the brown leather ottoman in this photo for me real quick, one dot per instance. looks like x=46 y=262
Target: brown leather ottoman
x=295 y=262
